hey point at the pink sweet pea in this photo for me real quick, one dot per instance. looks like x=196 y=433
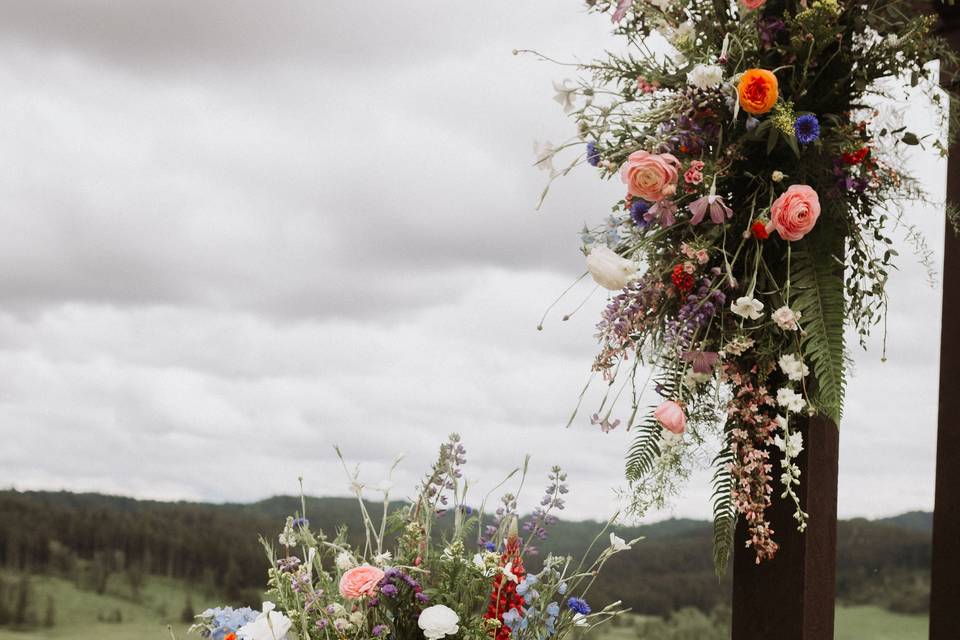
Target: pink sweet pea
x=671 y=416
x=714 y=204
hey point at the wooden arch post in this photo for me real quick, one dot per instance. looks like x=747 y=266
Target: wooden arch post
x=945 y=573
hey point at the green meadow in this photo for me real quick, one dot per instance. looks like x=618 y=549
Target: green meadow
x=116 y=615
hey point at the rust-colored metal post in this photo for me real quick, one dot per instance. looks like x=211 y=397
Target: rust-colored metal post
x=792 y=596
x=945 y=577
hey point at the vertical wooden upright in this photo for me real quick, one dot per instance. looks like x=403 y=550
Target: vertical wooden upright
x=945 y=578
x=792 y=596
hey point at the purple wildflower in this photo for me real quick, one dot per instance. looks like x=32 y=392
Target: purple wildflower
x=718 y=209
x=593 y=156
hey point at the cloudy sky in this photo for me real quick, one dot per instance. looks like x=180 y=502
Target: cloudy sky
x=235 y=234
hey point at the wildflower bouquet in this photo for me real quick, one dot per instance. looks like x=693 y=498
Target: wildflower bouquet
x=762 y=163
x=448 y=572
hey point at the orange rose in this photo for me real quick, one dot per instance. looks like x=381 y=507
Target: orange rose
x=758 y=91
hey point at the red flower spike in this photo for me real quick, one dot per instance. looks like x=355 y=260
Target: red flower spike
x=504 y=596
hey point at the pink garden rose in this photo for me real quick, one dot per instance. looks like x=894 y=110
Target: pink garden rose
x=671 y=416
x=650 y=176
x=360 y=581
x=795 y=212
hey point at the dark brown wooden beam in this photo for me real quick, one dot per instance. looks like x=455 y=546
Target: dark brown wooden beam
x=945 y=576
x=792 y=596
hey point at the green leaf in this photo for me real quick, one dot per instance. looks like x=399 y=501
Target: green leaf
x=724 y=514
x=772 y=139
x=910 y=138
x=817 y=293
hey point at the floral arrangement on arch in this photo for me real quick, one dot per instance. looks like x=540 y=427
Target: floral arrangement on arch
x=763 y=172
x=434 y=569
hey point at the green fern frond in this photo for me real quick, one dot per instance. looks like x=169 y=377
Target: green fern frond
x=817 y=292
x=644 y=451
x=724 y=514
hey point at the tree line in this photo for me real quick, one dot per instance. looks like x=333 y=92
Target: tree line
x=91 y=537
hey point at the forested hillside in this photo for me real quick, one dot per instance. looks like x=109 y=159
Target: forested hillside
x=89 y=537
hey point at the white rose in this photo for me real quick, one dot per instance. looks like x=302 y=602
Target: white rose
x=269 y=625
x=438 y=621
x=705 y=76
x=608 y=269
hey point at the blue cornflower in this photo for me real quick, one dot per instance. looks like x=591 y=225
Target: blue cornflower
x=807 y=128
x=578 y=605
x=301 y=522
x=593 y=156
x=637 y=210
x=489 y=546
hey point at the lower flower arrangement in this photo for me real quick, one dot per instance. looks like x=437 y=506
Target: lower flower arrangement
x=435 y=568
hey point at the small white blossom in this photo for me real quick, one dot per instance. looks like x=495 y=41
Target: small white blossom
x=580 y=620
x=345 y=561
x=786 y=318
x=791 y=400
x=705 y=76
x=566 y=94
x=510 y=575
x=382 y=559
x=791 y=445
x=777 y=176
x=747 y=307
x=544 y=152
x=793 y=367
x=617 y=543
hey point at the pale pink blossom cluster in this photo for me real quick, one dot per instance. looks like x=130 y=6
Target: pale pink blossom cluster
x=694 y=175
x=751 y=411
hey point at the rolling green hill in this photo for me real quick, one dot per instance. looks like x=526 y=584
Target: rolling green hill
x=91 y=539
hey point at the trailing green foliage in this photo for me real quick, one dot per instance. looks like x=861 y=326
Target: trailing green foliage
x=817 y=293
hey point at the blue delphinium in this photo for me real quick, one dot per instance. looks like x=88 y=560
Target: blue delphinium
x=593 y=156
x=220 y=622
x=515 y=620
x=578 y=605
x=525 y=588
x=807 y=128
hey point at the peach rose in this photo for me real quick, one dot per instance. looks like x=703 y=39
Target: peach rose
x=758 y=91
x=650 y=176
x=752 y=4
x=360 y=581
x=671 y=416
x=795 y=212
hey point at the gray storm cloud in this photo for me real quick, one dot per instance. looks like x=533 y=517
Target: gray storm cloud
x=238 y=233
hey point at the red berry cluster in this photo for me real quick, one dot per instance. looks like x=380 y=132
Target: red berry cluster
x=682 y=280
x=504 y=595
